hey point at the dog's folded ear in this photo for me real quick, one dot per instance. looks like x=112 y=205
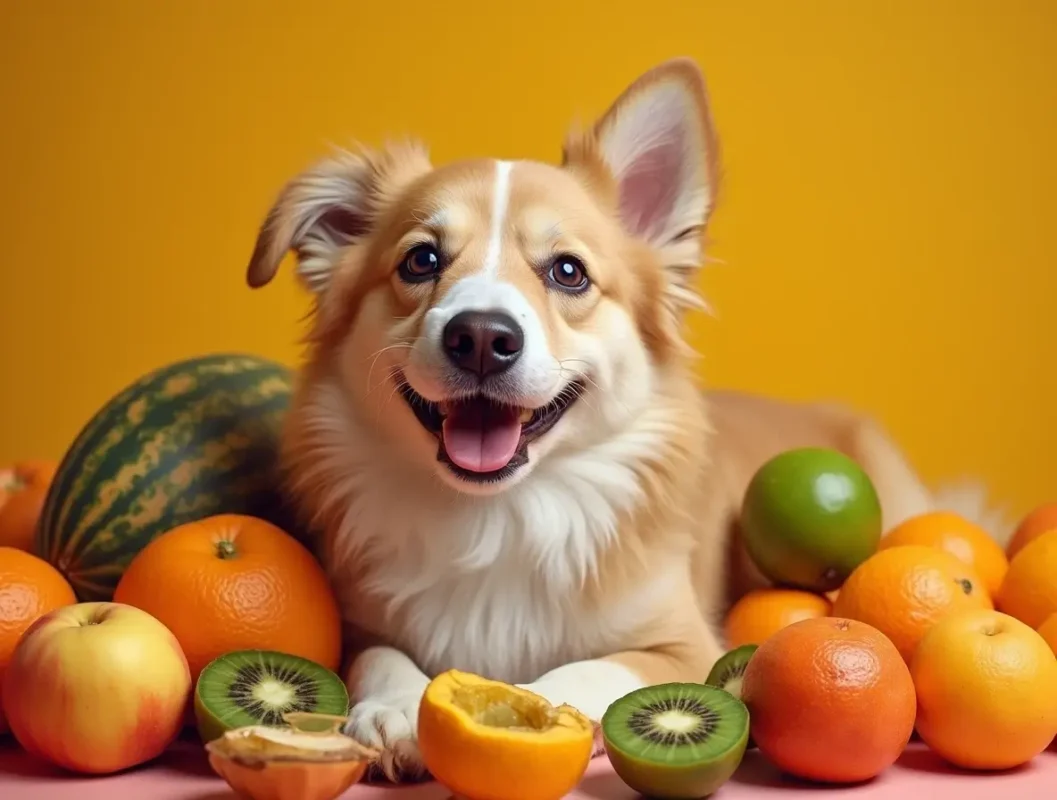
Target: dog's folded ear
x=657 y=150
x=329 y=207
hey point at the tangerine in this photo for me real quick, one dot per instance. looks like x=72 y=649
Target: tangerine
x=987 y=690
x=762 y=612
x=903 y=591
x=1029 y=591
x=30 y=587
x=235 y=582
x=1037 y=522
x=1048 y=631
x=959 y=537
x=830 y=700
x=23 y=489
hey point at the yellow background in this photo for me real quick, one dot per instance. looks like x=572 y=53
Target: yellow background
x=886 y=227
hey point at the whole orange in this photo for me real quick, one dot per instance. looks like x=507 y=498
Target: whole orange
x=903 y=591
x=23 y=489
x=829 y=700
x=1048 y=631
x=30 y=587
x=762 y=612
x=1029 y=591
x=959 y=537
x=234 y=582
x=1040 y=520
x=987 y=690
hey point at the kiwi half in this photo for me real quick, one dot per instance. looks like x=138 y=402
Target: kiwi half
x=676 y=740
x=258 y=687
x=727 y=673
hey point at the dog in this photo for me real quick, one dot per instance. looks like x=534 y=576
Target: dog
x=498 y=433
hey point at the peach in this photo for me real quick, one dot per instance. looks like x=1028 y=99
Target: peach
x=96 y=687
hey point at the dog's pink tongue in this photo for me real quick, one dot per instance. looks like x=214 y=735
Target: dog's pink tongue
x=480 y=436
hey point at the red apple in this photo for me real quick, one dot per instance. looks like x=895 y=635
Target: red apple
x=96 y=687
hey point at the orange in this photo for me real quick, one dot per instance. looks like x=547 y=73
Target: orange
x=23 y=489
x=1029 y=591
x=903 y=591
x=829 y=700
x=959 y=537
x=1041 y=520
x=492 y=741
x=233 y=582
x=30 y=587
x=763 y=612
x=987 y=690
x=1048 y=631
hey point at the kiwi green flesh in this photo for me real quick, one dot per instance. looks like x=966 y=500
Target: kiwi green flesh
x=258 y=687
x=676 y=740
x=728 y=672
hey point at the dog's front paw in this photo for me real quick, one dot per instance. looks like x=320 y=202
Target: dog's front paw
x=389 y=724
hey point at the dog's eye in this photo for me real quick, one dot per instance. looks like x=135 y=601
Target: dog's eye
x=421 y=263
x=568 y=273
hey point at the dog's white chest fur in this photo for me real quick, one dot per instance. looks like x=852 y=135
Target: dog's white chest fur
x=498 y=620
x=495 y=585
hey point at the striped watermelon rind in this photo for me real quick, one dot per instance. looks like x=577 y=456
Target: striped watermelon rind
x=190 y=440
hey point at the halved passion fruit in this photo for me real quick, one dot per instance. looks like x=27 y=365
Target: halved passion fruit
x=308 y=760
x=486 y=740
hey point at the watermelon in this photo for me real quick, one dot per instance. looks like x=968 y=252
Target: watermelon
x=187 y=441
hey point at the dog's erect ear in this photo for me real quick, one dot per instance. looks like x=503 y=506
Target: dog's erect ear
x=327 y=208
x=657 y=146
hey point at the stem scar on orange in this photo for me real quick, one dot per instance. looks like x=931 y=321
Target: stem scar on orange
x=234 y=582
x=903 y=591
x=958 y=536
x=829 y=700
x=987 y=690
x=487 y=740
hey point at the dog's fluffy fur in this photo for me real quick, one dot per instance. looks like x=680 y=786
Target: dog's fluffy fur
x=603 y=557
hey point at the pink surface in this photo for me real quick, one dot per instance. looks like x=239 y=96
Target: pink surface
x=184 y=774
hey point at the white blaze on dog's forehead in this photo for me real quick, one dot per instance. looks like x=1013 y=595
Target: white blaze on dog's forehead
x=481 y=292
x=500 y=203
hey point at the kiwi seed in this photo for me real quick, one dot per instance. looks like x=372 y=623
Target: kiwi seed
x=676 y=740
x=729 y=670
x=259 y=687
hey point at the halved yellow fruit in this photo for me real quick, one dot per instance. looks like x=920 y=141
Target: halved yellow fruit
x=487 y=740
x=309 y=760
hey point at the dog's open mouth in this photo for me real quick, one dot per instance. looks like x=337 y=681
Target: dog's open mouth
x=482 y=439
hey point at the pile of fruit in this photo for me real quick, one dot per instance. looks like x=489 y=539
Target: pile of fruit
x=153 y=580
x=150 y=581
x=867 y=637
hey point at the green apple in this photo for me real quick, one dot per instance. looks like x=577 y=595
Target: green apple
x=809 y=517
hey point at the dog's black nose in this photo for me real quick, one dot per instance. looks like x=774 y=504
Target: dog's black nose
x=483 y=342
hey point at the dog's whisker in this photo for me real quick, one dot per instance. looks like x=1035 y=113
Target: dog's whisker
x=390 y=377
x=379 y=353
x=395 y=346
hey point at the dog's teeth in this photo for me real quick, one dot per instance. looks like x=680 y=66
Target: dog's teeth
x=526 y=415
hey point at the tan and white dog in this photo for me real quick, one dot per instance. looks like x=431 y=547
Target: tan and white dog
x=498 y=433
